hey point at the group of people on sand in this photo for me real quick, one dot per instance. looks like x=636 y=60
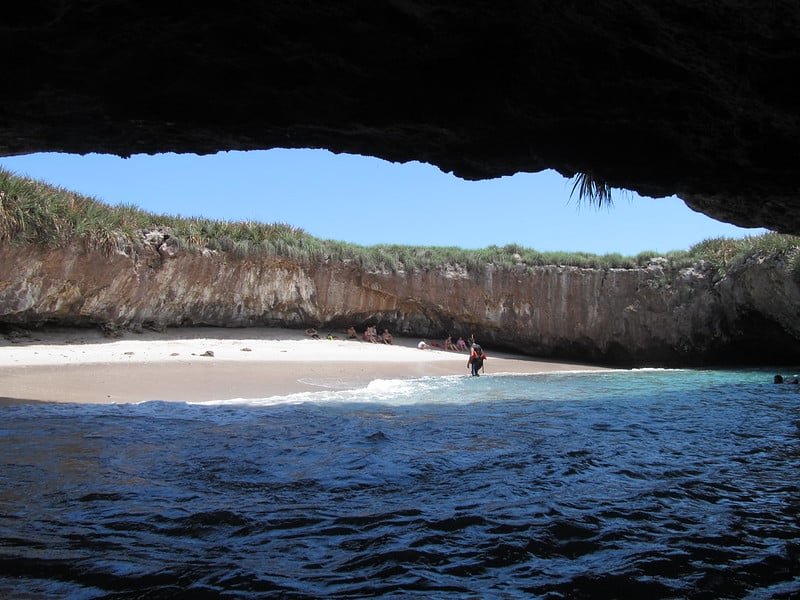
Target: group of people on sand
x=448 y=344
x=371 y=335
x=458 y=346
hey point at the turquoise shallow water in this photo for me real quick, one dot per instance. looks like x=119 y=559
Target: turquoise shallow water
x=618 y=484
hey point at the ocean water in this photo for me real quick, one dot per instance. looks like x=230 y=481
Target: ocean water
x=630 y=484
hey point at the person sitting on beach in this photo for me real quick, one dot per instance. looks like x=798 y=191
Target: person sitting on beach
x=423 y=345
x=312 y=333
x=448 y=343
x=461 y=344
x=351 y=333
x=371 y=334
x=386 y=337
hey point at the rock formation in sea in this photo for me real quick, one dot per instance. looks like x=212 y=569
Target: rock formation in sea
x=653 y=315
x=689 y=97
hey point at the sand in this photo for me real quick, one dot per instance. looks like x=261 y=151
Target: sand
x=81 y=365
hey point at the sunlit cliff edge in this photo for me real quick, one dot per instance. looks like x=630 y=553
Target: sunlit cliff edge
x=660 y=312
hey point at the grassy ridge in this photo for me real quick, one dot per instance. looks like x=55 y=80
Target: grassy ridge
x=37 y=213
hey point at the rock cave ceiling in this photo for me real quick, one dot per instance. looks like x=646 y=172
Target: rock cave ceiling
x=697 y=98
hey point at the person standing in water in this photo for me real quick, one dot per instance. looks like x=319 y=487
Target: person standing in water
x=475 y=360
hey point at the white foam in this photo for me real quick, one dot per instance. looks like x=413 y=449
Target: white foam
x=378 y=391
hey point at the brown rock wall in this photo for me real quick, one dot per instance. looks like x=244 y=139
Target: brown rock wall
x=624 y=316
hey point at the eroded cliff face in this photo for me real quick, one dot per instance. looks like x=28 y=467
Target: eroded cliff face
x=643 y=316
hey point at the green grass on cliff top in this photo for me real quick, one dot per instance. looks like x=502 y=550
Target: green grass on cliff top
x=35 y=212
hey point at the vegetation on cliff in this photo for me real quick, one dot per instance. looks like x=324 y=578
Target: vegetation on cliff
x=35 y=212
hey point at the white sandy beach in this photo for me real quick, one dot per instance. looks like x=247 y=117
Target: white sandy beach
x=81 y=365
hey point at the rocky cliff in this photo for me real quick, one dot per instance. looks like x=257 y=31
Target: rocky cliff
x=644 y=316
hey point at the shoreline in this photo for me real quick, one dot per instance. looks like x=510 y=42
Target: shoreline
x=83 y=366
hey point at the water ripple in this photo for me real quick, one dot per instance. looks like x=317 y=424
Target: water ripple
x=557 y=487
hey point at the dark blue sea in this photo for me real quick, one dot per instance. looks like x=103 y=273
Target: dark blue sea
x=629 y=484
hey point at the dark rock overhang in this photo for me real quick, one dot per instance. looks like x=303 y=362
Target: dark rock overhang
x=690 y=97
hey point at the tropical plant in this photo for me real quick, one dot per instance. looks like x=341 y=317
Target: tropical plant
x=592 y=189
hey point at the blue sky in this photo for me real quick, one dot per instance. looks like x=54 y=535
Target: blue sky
x=369 y=201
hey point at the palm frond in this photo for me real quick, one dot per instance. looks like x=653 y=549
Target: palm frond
x=592 y=190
